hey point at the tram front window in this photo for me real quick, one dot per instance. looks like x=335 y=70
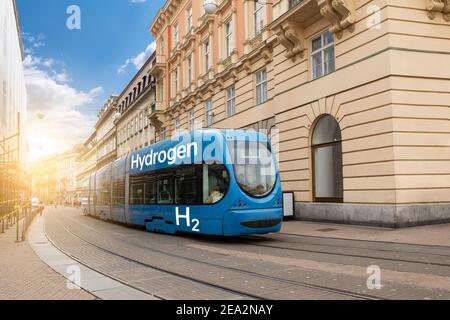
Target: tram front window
x=215 y=183
x=254 y=167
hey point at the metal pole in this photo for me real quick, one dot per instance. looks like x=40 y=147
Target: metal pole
x=17 y=227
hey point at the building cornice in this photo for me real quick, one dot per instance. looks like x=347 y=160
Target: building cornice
x=164 y=15
x=136 y=76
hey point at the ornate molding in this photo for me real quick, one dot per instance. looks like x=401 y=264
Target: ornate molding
x=267 y=54
x=247 y=66
x=290 y=37
x=435 y=6
x=340 y=13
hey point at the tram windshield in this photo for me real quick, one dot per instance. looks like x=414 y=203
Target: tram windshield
x=254 y=167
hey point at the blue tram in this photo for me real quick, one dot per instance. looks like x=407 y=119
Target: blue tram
x=218 y=182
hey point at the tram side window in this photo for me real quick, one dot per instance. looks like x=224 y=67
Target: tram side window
x=137 y=194
x=150 y=192
x=165 y=193
x=118 y=196
x=215 y=183
x=188 y=185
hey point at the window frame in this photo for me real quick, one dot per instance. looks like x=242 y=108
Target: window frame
x=207 y=54
x=176 y=35
x=191 y=119
x=189 y=19
x=231 y=100
x=258 y=10
x=171 y=174
x=315 y=147
x=229 y=43
x=177 y=125
x=209 y=112
x=260 y=85
x=189 y=70
x=321 y=51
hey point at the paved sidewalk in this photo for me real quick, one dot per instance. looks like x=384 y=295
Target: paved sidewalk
x=101 y=285
x=23 y=276
x=438 y=235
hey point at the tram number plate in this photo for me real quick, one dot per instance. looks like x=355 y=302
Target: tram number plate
x=194 y=224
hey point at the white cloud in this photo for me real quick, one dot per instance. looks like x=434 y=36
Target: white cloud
x=32 y=41
x=54 y=123
x=31 y=61
x=137 y=1
x=138 y=60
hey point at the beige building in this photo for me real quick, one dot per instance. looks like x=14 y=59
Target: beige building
x=86 y=165
x=43 y=179
x=106 y=134
x=54 y=178
x=135 y=104
x=358 y=90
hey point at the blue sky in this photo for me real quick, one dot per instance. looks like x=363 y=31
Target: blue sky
x=72 y=72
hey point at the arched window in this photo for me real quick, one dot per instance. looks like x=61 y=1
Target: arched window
x=327 y=161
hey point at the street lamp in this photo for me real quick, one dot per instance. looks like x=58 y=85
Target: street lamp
x=210 y=6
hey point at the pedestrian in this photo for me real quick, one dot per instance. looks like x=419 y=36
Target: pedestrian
x=41 y=208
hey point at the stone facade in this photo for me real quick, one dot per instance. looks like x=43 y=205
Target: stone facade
x=375 y=71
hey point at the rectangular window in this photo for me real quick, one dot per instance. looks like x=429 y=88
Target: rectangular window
x=192 y=120
x=177 y=125
x=209 y=112
x=188 y=183
x=165 y=191
x=161 y=89
x=137 y=194
x=258 y=15
x=322 y=55
x=150 y=192
x=189 y=70
x=136 y=125
x=229 y=38
x=207 y=49
x=162 y=134
x=146 y=118
x=175 y=35
x=141 y=121
x=175 y=83
x=161 y=46
x=261 y=86
x=231 y=95
x=189 y=19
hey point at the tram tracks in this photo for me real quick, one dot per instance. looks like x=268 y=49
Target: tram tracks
x=352 y=255
x=426 y=246
x=341 y=292
x=127 y=258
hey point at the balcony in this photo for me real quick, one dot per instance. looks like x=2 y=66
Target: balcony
x=158 y=66
x=293 y=16
x=295 y=11
x=157 y=114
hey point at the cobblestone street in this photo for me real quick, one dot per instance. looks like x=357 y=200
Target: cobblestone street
x=276 y=266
